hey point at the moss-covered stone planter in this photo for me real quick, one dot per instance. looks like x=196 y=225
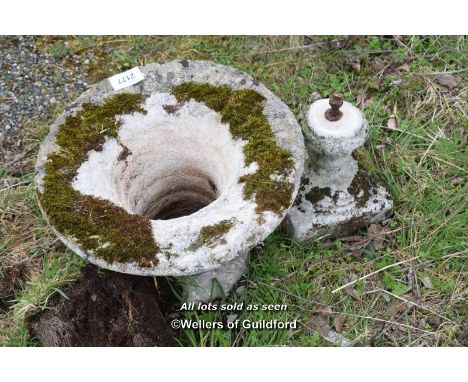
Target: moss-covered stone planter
x=178 y=175
x=338 y=194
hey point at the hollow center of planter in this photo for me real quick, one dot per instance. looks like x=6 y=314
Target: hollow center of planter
x=162 y=165
x=177 y=190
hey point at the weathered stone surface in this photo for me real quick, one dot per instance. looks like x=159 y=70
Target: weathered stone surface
x=180 y=152
x=216 y=283
x=337 y=194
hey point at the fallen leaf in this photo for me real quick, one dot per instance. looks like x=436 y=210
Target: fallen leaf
x=458 y=181
x=353 y=238
x=377 y=233
x=324 y=310
x=463 y=134
x=403 y=68
x=339 y=323
x=315 y=96
x=319 y=324
x=377 y=64
x=354 y=245
x=447 y=80
x=434 y=321
x=336 y=44
x=392 y=123
x=355 y=63
x=361 y=100
x=426 y=280
x=350 y=289
x=411 y=280
x=375 y=229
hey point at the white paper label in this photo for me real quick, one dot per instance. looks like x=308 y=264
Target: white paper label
x=127 y=78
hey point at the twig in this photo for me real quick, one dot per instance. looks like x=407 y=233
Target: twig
x=14 y=185
x=21 y=156
x=114 y=41
x=434 y=140
x=38 y=253
x=389 y=324
x=415 y=304
x=339 y=312
x=289 y=293
x=439 y=73
x=456 y=254
x=373 y=273
x=450 y=164
x=404 y=131
x=382 y=320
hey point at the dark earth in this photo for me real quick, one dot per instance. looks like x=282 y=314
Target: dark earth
x=11 y=281
x=107 y=309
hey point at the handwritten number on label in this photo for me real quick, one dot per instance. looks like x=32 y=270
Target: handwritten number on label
x=126 y=78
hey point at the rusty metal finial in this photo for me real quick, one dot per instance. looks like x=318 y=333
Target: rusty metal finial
x=334 y=113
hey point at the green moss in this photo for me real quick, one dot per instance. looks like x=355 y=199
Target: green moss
x=361 y=187
x=365 y=179
x=362 y=157
x=316 y=194
x=243 y=110
x=98 y=225
x=210 y=234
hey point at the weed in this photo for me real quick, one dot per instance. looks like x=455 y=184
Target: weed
x=60 y=50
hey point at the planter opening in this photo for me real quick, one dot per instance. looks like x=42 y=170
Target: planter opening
x=164 y=165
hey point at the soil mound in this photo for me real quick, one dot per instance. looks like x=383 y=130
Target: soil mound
x=107 y=309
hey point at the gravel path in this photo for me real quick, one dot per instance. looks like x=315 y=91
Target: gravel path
x=32 y=84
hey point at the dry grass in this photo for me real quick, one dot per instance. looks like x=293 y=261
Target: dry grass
x=420 y=155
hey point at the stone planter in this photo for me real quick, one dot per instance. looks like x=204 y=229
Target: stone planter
x=179 y=175
x=338 y=193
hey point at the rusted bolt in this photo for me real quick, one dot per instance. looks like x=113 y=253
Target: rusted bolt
x=334 y=113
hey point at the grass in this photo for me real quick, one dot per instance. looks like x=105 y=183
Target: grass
x=421 y=158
